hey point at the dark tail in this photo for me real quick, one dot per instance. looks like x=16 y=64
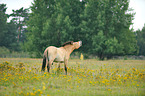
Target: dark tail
x=43 y=63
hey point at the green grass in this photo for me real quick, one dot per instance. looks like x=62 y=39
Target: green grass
x=85 y=78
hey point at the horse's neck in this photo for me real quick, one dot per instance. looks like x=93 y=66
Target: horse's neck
x=69 y=49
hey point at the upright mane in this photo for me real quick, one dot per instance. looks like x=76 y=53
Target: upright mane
x=67 y=43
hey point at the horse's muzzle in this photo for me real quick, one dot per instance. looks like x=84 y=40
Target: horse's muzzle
x=80 y=42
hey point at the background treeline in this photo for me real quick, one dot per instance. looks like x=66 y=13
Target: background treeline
x=102 y=25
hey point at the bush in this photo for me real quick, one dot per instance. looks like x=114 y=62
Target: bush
x=5 y=53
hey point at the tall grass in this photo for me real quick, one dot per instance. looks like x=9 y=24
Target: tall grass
x=85 y=78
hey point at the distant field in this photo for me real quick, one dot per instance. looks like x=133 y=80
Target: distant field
x=23 y=76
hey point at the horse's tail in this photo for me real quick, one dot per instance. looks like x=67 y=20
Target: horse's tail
x=44 y=61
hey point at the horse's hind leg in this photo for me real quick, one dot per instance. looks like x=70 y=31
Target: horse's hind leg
x=65 y=66
x=49 y=65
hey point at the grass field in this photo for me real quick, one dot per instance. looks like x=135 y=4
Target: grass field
x=85 y=78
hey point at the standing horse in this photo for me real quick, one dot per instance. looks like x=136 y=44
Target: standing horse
x=61 y=54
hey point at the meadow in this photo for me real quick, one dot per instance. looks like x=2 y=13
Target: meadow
x=23 y=77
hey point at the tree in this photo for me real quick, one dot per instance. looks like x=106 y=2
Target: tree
x=7 y=31
x=64 y=22
x=102 y=25
x=3 y=24
x=141 y=40
x=92 y=25
x=52 y=22
x=20 y=17
x=10 y=39
x=106 y=27
x=41 y=10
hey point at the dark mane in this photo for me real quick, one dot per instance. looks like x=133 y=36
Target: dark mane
x=67 y=43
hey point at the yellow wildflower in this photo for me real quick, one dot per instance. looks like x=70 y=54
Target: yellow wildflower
x=29 y=71
x=125 y=78
x=33 y=88
x=38 y=90
x=28 y=93
x=48 y=95
x=109 y=89
x=103 y=81
x=91 y=82
x=133 y=69
x=68 y=80
x=32 y=93
x=43 y=88
x=43 y=83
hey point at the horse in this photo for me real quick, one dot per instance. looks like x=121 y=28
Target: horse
x=60 y=55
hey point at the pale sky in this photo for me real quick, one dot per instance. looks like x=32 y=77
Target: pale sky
x=139 y=9
x=137 y=5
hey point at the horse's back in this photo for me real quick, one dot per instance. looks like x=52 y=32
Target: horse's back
x=54 y=53
x=51 y=50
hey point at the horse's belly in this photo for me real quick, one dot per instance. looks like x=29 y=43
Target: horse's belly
x=60 y=55
x=59 y=58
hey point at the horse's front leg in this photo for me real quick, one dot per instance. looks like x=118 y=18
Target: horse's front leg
x=65 y=66
x=58 y=66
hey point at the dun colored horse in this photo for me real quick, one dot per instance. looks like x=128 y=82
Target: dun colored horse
x=60 y=55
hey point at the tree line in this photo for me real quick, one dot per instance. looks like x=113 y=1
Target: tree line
x=102 y=25
x=12 y=33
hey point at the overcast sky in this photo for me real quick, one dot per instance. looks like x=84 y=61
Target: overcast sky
x=137 y=5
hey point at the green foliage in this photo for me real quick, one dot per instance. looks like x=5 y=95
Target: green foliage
x=52 y=23
x=4 y=51
x=13 y=32
x=141 y=40
x=113 y=47
x=102 y=25
x=106 y=27
x=10 y=38
x=20 y=17
x=8 y=31
x=3 y=24
x=38 y=17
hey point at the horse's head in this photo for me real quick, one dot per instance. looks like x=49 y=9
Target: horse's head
x=77 y=44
